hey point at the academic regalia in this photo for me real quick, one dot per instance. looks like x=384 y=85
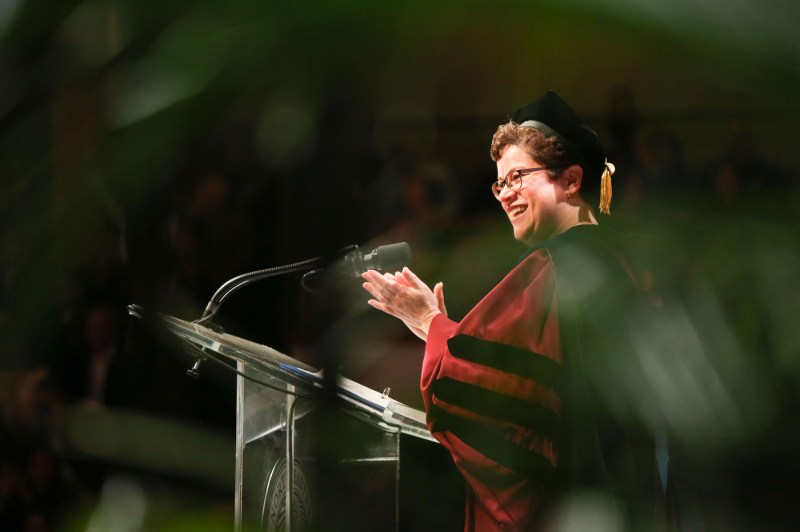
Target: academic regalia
x=513 y=391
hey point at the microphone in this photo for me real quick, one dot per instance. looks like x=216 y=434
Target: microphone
x=390 y=257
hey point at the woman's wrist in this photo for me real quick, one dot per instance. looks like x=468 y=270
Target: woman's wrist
x=425 y=322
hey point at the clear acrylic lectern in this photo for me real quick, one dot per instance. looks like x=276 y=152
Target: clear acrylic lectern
x=305 y=458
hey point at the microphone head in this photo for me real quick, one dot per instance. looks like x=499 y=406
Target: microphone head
x=391 y=257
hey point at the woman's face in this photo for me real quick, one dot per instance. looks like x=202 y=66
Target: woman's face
x=536 y=210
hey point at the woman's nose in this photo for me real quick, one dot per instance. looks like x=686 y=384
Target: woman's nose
x=506 y=192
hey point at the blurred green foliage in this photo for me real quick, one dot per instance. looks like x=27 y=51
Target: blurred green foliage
x=106 y=106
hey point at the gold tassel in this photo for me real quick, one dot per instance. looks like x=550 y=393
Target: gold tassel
x=605 y=188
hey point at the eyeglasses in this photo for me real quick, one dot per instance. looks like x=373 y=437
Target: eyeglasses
x=513 y=179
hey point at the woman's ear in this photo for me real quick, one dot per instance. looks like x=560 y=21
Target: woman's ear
x=572 y=179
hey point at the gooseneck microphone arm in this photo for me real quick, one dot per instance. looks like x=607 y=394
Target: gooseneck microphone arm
x=244 y=279
x=353 y=263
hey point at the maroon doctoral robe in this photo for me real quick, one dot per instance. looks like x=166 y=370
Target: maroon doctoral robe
x=495 y=385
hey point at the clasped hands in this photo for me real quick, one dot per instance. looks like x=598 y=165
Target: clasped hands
x=406 y=297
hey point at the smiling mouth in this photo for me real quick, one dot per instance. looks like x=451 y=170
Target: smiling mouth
x=516 y=211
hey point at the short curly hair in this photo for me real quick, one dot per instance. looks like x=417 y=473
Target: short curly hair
x=539 y=146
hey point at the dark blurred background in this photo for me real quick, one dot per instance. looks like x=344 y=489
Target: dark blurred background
x=149 y=151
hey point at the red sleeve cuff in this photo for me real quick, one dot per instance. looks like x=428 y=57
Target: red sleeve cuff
x=440 y=331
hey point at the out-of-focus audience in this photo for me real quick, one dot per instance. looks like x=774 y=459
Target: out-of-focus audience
x=742 y=173
x=86 y=354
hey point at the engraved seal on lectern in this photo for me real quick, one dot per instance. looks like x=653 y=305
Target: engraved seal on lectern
x=274 y=516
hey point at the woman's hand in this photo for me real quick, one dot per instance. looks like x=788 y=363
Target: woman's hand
x=406 y=297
